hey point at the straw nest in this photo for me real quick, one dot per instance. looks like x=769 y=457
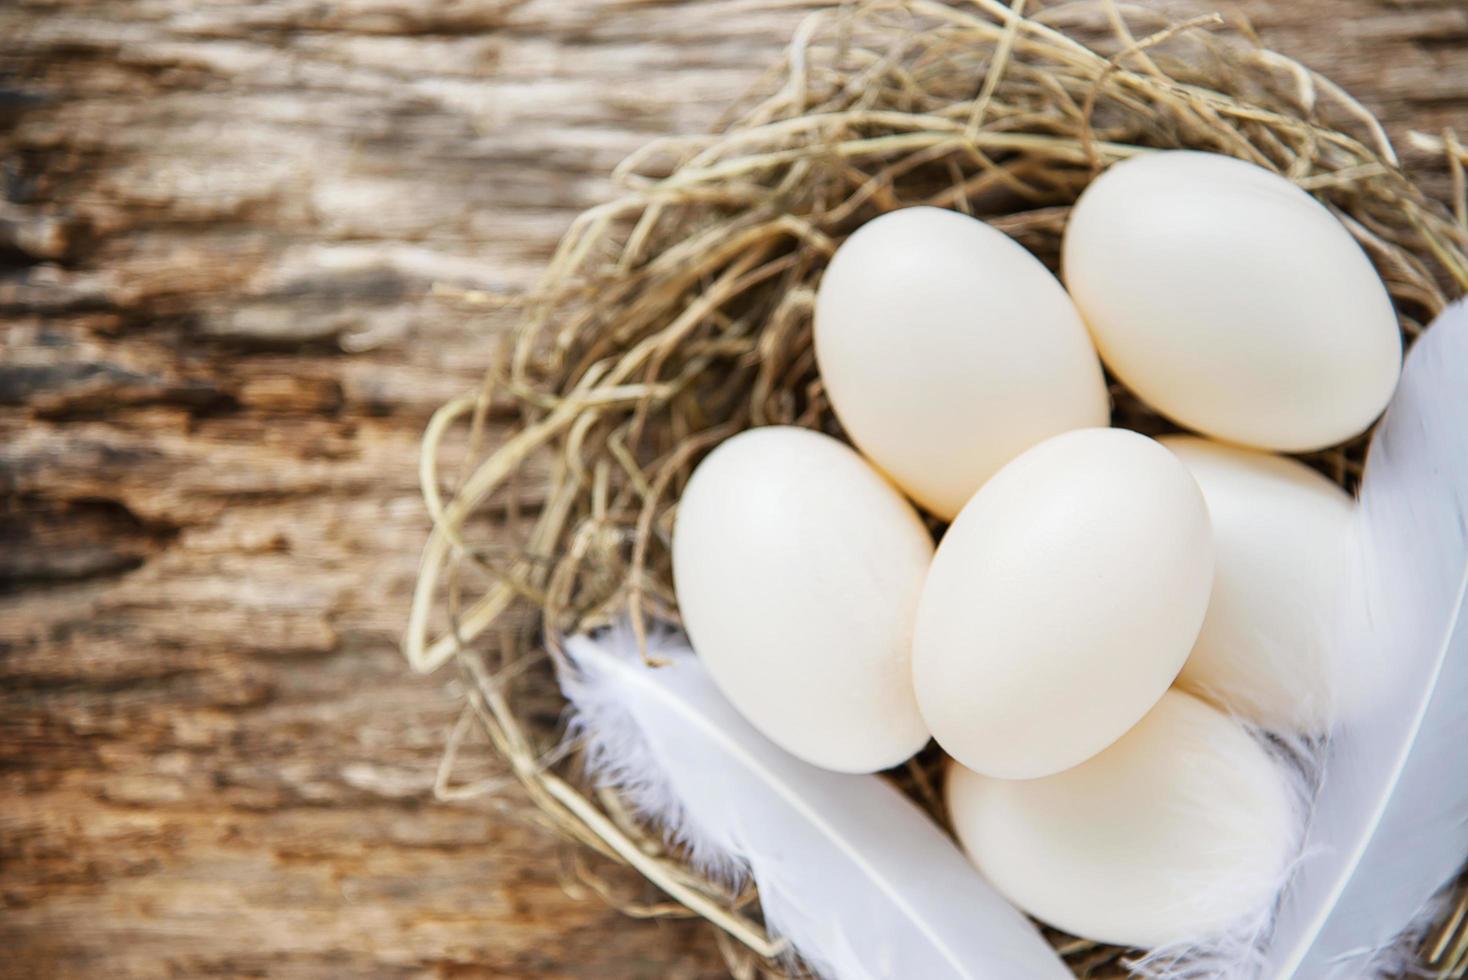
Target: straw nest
x=680 y=313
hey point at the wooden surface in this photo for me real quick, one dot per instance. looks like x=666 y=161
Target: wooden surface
x=218 y=225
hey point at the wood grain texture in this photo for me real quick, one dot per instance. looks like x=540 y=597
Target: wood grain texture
x=218 y=228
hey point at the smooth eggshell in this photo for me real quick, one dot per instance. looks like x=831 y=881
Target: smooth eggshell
x=1181 y=828
x=1280 y=530
x=947 y=349
x=1061 y=603
x=1232 y=301
x=798 y=570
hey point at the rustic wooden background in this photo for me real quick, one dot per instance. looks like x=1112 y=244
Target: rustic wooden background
x=219 y=223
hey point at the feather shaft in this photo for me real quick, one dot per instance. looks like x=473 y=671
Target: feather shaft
x=858 y=880
x=1389 y=827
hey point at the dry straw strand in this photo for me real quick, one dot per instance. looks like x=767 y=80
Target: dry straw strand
x=679 y=312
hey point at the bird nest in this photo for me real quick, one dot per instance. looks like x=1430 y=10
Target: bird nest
x=679 y=313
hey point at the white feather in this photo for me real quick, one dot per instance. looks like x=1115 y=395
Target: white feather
x=858 y=880
x=1389 y=826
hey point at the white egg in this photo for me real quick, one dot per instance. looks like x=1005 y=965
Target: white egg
x=1280 y=530
x=798 y=570
x=947 y=349
x=1232 y=301
x=1181 y=828
x=1061 y=603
